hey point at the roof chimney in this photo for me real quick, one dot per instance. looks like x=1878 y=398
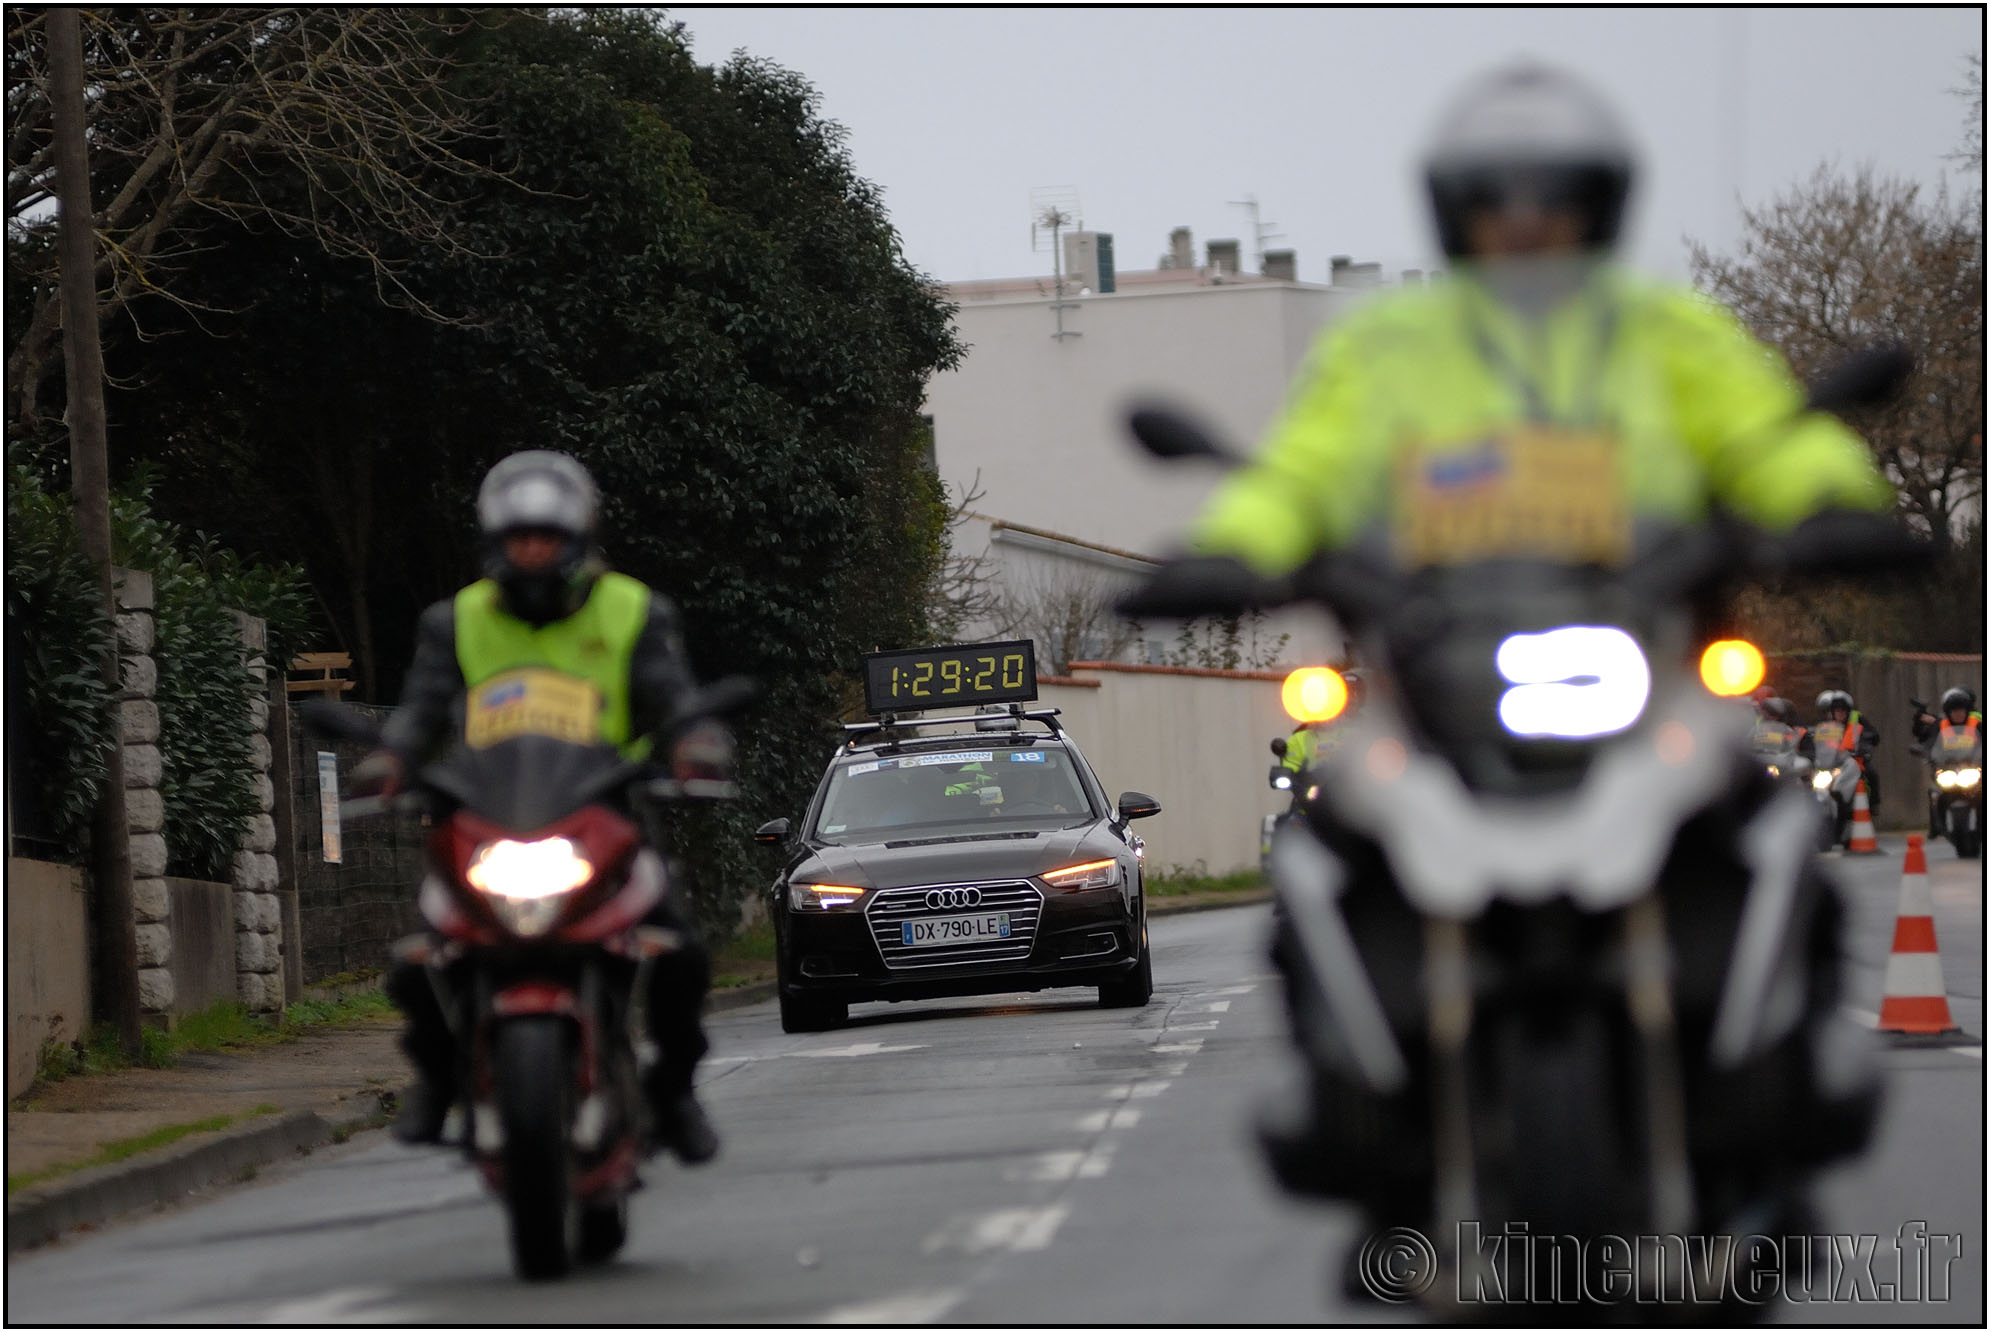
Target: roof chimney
x=1282 y=265
x=1224 y=258
x=1340 y=263
x=1181 y=249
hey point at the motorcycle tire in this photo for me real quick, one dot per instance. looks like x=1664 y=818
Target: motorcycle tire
x=604 y=1229
x=1136 y=989
x=1567 y=1146
x=532 y=1060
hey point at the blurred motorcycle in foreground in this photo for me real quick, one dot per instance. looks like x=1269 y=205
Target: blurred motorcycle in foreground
x=1559 y=960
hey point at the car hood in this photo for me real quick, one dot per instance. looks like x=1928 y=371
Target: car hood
x=957 y=858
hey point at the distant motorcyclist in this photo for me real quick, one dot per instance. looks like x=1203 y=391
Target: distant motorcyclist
x=548 y=600
x=1842 y=734
x=1955 y=715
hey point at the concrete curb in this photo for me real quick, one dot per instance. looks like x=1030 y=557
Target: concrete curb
x=1166 y=908
x=739 y=996
x=88 y=1197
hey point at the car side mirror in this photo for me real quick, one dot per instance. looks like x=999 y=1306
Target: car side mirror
x=771 y=833
x=1134 y=805
x=1278 y=745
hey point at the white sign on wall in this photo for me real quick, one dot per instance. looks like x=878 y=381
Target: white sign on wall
x=328 y=807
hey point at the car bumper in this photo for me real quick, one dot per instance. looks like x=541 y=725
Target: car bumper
x=1084 y=938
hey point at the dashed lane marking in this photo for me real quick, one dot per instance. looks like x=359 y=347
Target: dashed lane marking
x=1125 y=1117
x=916 y=1306
x=1053 y=1167
x=1211 y=1025
x=1216 y=1006
x=1179 y=1047
x=1228 y=989
x=1013 y=1228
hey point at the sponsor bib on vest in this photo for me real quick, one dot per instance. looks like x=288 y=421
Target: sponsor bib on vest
x=532 y=701
x=1830 y=734
x=1529 y=491
x=1957 y=742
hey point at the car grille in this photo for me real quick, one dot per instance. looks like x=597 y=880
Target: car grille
x=887 y=909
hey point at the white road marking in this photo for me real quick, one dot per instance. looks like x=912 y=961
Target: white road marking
x=1051 y=1167
x=1194 y=1026
x=354 y=1304
x=1972 y=1051
x=1170 y=1068
x=1860 y=1016
x=850 y=1051
x=1179 y=1047
x=917 y=1306
x=1217 y=1006
x=1228 y=989
x=1100 y=1120
x=1016 y=1228
x=1138 y=1091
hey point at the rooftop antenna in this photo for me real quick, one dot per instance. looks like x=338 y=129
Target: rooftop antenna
x=1260 y=231
x=1054 y=209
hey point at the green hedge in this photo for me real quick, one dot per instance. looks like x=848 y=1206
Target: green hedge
x=204 y=685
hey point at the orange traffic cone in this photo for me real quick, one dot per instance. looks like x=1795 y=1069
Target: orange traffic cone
x=1916 y=1002
x=1863 y=842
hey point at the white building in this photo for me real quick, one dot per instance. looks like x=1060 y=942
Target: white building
x=1032 y=423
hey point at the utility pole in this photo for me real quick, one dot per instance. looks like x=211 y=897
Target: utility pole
x=115 y=976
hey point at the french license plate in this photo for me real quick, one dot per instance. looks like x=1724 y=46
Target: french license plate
x=931 y=930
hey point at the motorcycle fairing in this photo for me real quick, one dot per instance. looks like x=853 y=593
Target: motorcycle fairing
x=1455 y=852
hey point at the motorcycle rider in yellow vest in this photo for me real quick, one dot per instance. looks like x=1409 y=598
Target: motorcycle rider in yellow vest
x=1551 y=404
x=548 y=600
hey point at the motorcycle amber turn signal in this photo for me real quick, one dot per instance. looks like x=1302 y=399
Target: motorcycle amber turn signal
x=1732 y=667
x=1313 y=694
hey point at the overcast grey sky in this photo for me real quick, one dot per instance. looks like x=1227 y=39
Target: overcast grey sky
x=1159 y=117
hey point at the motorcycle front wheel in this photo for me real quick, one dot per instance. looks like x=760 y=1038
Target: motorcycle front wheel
x=533 y=1060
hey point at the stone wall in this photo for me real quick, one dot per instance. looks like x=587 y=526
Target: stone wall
x=258 y=913
x=145 y=809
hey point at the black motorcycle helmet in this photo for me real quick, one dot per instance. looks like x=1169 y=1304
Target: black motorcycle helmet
x=1781 y=709
x=540 y=490
x=1529 y=132
x=1958 y=698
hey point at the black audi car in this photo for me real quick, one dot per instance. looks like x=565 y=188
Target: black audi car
x=982 y=860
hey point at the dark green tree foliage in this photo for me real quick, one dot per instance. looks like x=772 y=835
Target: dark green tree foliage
x=693 y=293
x=60 y=717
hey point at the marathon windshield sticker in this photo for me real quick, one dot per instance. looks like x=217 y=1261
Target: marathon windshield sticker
x=859 y=769
x=532 y=701
x=1027 y=756
x=934 y=760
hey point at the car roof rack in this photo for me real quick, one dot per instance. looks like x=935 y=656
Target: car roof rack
x=888 y=725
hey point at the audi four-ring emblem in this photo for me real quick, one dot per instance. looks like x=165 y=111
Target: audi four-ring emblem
x=950 y=899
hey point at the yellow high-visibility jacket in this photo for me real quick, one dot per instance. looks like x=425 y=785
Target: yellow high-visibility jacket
x=1402 y=426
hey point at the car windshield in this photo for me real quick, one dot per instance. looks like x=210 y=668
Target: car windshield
x=966 y=790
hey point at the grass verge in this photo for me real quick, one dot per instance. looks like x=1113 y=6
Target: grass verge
x=224 y=1026
x=747 y=959
x=119 y=1149
x=1181 y=882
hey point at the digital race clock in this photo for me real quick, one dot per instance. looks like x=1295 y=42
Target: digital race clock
x=950 y=676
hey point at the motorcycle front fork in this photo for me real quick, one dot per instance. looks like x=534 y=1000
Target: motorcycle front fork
x=1648 y=993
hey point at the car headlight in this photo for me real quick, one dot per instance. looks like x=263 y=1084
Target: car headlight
x=1091 y=874
x=524 y=881
x=1821 y=779
x=823 y=896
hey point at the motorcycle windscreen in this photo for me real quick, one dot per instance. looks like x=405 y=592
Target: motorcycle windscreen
x=530 y=781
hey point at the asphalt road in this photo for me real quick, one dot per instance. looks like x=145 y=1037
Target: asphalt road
x=1031 y=1159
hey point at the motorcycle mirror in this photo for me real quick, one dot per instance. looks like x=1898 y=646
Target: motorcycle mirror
x=1278 y=745
x=1866 y=378
x=1169 y=435
x=1197 y=586
x=335 y=721
x=721 y=697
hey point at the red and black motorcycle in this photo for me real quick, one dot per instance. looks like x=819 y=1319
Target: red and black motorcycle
x=537 y=886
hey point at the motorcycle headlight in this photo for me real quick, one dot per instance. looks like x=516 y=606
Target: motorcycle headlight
x=1775 y=771
x=1573 y=683
x=524 y=881
x=1821 y=779
x=1947 y=779
x=1281 y=783
x=1091 y=874
x=823 y=896
x=1967 y=777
